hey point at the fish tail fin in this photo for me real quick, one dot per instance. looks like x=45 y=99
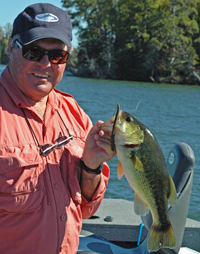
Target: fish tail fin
x=161 y=237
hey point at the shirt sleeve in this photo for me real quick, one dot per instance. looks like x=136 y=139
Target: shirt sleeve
x=89 y=208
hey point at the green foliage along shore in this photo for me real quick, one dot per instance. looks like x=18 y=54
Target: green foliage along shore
x=151 y=40
x=4 y=36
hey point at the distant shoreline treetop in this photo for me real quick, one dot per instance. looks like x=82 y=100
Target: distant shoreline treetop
x=5 y=33
x=155 y=40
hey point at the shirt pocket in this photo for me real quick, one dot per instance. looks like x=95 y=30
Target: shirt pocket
x=21 y=184
x=71 y=171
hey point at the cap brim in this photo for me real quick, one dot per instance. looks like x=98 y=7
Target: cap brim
x=38 y=33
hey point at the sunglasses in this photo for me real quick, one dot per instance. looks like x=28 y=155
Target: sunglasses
x=36 y=53
x=60 y=142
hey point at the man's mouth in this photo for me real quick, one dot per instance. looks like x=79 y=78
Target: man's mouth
x=40 y=75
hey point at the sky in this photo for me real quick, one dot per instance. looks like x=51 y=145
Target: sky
x=9 y=9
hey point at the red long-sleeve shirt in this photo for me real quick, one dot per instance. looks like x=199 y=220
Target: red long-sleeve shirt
x=41 y=207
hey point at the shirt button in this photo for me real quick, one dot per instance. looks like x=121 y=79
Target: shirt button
x=56 y=186
x=62 y=217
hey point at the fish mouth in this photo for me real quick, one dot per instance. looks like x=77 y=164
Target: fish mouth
x=114 y=127
x=131 y=145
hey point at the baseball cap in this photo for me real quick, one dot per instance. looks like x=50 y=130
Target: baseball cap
x=43 y=20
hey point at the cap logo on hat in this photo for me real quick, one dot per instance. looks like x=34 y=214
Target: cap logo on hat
x=47 y=17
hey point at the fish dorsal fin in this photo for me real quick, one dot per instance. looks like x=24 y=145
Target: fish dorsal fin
x=172 y=194
x=137 y=163
x=139 y=207
x=120 y=170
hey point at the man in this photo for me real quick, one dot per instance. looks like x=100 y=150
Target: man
x=51 y=176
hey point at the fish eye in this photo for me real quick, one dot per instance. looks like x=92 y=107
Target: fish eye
x=129 y=119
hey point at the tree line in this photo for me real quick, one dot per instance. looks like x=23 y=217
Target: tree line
x=149 y=40
x=5 y=33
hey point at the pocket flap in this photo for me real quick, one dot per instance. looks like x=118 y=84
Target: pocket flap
x=18 y=156
x=21 y=203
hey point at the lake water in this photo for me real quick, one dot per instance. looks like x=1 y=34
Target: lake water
x=171 y=112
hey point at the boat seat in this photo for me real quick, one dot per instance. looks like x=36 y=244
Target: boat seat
x=180 y=164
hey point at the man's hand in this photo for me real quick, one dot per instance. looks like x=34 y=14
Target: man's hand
x=98 y=145
x=97 y=150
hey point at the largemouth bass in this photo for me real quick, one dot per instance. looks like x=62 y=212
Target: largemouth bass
x=142 y=162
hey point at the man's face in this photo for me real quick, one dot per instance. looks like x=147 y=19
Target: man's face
x=36 y=79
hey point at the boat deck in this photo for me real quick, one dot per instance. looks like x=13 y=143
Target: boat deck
x=116 y=221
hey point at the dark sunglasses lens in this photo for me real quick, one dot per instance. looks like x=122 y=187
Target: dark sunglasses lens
x=62 y=141
x=46 y=149
x=32 y=53
x=58 y=56
x=59 y=143
x=46 y=153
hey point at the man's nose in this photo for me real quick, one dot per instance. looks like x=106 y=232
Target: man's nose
x=45 y=60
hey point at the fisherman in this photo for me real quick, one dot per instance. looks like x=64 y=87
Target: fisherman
x=52 y=160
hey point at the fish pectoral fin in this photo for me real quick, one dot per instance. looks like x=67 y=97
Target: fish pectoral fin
x=120 y=170
x=137 y=163
x=139 y=207
x=172 y=192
